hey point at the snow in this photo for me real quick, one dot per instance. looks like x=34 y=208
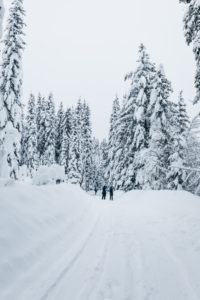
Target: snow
x=1 y=16
x=57 y=242
x=49 y=174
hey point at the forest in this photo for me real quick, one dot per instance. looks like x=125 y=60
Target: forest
x=152 y=143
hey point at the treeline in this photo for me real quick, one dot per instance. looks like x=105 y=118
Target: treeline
x=64 y=138
x=147 y=140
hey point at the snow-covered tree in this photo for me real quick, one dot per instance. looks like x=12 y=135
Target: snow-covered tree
x=48 y=157
x=41 y=126
x=10 y=92
x=112 y=140
x=75 y=155
x=87 y=179
x=137 y=119
x=183 y=119
x=97 y=171
x=59 y=133
x=104 y=159
x=31 y=136
x=1 y=16
x=66 y=141
x=157 y=153
x=192 y=35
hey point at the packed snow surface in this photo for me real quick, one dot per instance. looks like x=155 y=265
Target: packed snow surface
x=59 y=243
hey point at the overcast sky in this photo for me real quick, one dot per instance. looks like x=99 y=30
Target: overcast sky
x=85 y=47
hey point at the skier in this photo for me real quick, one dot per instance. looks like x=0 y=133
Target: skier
x=95 y=190
x=104 y=190
x=111 y=192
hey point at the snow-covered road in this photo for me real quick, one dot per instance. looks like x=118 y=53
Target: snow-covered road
x=57 y=243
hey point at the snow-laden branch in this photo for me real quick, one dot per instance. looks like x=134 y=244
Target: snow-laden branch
x=1 y=16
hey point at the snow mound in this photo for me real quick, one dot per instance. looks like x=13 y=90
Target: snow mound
x=49 y=175
x=6 y=182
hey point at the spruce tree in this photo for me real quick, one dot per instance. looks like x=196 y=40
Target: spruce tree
x=177 y=159
x=31 y=136
x=192 y=33
x=41 y=126
x=161 y=133
x=87 y=179
x=183 y=118
x=60 y=120
x=1 y=16
x=11 y=90
x=48 y=157
x=97 y=171
x=112 y=140
x=66 y=142
x=75 y=163
x=137 y=117
x=104 y=159
x=23 y=153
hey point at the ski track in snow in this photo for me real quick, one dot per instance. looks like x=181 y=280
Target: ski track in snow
x=143 y=246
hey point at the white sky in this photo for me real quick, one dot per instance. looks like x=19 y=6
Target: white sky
x=84 y=48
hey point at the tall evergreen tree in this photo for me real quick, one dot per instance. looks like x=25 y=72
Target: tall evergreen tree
x=75 y=162
x=87 y=179
x=97 y=171
x=112 y=140
x=31 y=135
x=50 y=133
x=104 y=159
x=11 y=90
x=192 y=33
x=41 y=126
x=60 y=120
x=161 y=131
x=66 y=142
x=1 y=16
x=138 y=118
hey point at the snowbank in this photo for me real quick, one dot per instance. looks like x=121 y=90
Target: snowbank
x=48 y=175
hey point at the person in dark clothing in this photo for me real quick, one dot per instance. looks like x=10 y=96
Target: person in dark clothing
x=104 y=190
x=111 y=192
x=95 y=190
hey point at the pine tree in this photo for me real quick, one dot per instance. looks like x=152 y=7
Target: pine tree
x=137 y=119
x=59 y=133
x=104 y=159
x=97 y=171
x=23 y=153
x=75 y=162
x=50 y=134
x=31 y=136
x=10 y=85
x=66 y=142
x=192 y=34
x=112 y=140
x=183 y=118
x=41 y=126
x=161 y=131
x=87 y=179
x=1 y=16
x=177 y=175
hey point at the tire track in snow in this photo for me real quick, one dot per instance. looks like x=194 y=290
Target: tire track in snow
x=180 y=267
x=93 y=280
x=71 y=263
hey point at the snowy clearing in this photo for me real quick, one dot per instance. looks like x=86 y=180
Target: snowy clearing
x=58 y=243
